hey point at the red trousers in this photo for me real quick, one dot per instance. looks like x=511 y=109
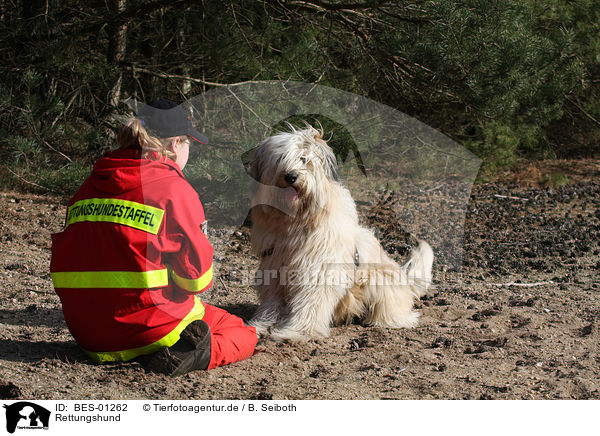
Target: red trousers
x=231 y=340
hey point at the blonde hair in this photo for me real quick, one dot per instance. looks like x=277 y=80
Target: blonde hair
x=135 y=135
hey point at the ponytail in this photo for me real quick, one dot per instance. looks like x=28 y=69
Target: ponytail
x=134 y=135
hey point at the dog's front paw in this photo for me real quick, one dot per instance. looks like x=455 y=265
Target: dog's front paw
x=283 y=334
x=262 y=330
x=291 y=334
x=404 y=320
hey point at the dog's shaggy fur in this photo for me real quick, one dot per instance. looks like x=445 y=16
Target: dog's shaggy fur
x=319 y=266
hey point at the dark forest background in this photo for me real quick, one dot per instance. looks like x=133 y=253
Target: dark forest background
x=510 y=80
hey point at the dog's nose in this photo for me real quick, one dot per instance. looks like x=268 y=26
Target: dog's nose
x=291 y=178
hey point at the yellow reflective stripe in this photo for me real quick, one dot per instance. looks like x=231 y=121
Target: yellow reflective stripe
x=111 y=279
x=193 y=285
x=127 y=213
x=195 y=314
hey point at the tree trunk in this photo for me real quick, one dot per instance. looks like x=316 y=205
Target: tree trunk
x=116 y=50
x=186 y=86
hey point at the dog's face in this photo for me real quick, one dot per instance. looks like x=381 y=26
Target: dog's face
x=300 y=165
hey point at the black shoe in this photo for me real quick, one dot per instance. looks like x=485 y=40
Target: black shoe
x=190 y=353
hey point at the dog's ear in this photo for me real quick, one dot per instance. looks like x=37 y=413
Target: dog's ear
x=329 y=160
x=332 y=166
x=252 y=164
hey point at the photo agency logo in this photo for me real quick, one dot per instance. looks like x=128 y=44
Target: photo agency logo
x=409 y=182
x=25 y=415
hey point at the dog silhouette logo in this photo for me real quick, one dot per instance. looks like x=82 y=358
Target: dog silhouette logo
x=26 y=415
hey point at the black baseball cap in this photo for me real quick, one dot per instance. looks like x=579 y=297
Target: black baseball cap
x=166 y=119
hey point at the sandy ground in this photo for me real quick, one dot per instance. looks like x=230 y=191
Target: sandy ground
x=519 y=322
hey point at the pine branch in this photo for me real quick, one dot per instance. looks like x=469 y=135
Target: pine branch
x=380 y=6
x=339 y=6
x=25 y=180
x=137 y=69
x=574 y=103
x=122 y=18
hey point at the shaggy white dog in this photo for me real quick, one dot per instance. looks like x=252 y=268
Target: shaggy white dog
x=318 y=265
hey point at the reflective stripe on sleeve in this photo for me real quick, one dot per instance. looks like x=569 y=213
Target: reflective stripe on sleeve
x=128 y=213
x=195 y=314
x=193 y=285
x=111 y=279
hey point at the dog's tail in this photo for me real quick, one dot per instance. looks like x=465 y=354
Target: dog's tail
x=418 y=268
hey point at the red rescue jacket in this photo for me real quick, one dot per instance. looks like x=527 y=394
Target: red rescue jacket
x=131 y=257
